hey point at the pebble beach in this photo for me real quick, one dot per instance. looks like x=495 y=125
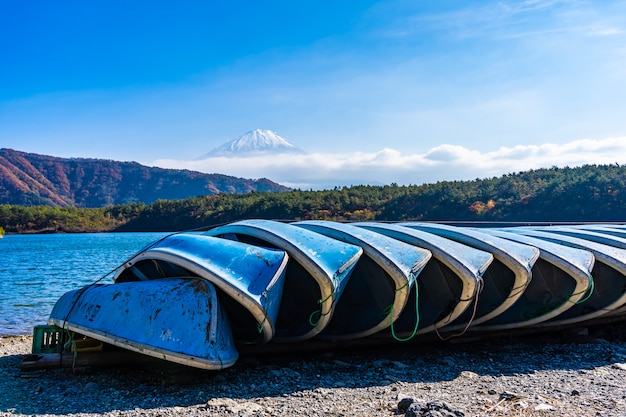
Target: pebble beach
x=581 y=372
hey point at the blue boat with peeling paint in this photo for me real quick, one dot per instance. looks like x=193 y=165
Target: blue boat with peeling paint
x=380 y=284
x=249 y=279
x=176 y=319
x=318 y=270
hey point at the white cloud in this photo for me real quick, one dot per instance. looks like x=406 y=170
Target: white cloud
x=444 y=162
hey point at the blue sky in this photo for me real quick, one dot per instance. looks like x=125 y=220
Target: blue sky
x=375 y=91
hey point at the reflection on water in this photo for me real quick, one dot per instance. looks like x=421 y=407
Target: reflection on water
x=35 y=270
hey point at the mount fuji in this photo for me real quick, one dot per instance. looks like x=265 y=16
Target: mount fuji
x=254 y=143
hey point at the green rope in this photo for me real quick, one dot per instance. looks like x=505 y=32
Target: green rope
x=591 y=288
x=389 y=312
x=319 y=312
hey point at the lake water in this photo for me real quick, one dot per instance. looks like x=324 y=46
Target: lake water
x=35 y=270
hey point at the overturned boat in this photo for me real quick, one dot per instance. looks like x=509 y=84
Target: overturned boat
x=380 y=284
x=318 y=270
x=505 y=281
x=176 y=319
x=249 y=278
x=449 y=285
x=562 y=294
x=609 y=275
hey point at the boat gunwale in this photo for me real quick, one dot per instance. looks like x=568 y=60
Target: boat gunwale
x=158 y=353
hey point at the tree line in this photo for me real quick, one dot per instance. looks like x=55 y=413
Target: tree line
x=587 y=193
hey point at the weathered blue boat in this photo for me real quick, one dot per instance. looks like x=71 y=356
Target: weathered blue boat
x=506 y=279
x=176 y=319
x=560 y=262
x=380 y=284
x=318 y=270
x=249 y=278
x=609 y=275
x=449 y=284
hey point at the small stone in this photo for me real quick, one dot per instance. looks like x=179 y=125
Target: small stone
x=468 y=374
x=492 y=392
x=575 y=392
x=543 y=407
x=404 y=403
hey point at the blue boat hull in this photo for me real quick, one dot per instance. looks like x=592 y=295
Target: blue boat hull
x=249 y=279
x=178 y=319
x=380 y=284
x=318 y=271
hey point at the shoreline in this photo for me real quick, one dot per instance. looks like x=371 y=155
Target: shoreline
x=576 y=374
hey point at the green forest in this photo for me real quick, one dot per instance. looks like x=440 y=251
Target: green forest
x=583 y=194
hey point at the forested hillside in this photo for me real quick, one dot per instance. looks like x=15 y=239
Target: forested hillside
x=589 y=193
x=28 y=179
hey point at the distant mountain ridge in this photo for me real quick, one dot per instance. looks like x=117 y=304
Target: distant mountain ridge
x=254 y=142
x=31 y=179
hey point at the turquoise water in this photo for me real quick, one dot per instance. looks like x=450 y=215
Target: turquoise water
x=35 y=270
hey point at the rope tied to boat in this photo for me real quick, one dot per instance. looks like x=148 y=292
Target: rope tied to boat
x=389 y=312
x=314 y=322
x=590 y=289
x=469 y=322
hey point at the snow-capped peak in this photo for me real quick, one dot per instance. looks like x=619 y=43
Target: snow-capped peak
x=258 y=141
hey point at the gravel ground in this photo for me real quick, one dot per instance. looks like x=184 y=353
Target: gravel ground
x=581 y=373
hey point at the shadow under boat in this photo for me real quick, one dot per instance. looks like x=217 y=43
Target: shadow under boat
x=249 y=279
x=508 y=297
x=609 y=274
x=448 y=286
x=318 y=270
x=176 y=319
x=577 y=264
x=380 y=284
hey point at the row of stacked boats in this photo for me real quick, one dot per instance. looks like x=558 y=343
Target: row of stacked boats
x=195 y=297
